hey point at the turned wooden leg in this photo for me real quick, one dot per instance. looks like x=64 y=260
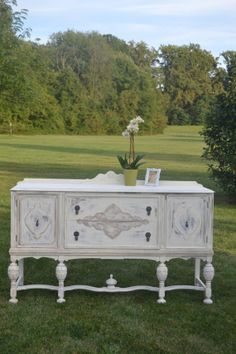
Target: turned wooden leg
x=61 y=272
x=162 y=272
x=197 y=271
x=208 y=273
x=13 y=273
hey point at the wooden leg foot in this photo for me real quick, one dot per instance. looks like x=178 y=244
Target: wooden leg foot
x=162 y=272
x=208 y=273
x=61 y=272
x=13 y=273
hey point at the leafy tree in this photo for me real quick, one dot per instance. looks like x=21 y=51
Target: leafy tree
x=116 y=44
x=77 y=83
x=185 y=76
x=142 y=55
x=105 y=84
x=220 y=130
x=11 y=29
x=86 y=83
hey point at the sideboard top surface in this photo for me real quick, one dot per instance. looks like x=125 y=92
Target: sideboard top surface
x=109 y=182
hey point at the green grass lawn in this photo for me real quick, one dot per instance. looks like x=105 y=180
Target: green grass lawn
x=116 y=323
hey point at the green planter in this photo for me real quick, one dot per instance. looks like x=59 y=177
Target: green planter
x=130 y=177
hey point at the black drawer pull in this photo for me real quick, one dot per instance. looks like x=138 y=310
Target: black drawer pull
x=76 y=235
x=148 y=209
x=148 y=235
x=77 y=208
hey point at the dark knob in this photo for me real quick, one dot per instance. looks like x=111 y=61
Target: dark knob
x=148 y=235
x=77 y=208
x=186 y=224
x=148 y=209
x=76 y=235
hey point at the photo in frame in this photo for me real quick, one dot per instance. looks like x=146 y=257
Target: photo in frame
x=152 y=177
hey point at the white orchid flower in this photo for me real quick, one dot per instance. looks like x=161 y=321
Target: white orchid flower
x=125 y=133
x=132 y=161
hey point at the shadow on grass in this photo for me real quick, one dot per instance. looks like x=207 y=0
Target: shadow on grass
x=182 y=138
x=95 y=272
x=226 y=226
x=106 y=152
x=21 y=170
x=51 y=170
x=62 y=149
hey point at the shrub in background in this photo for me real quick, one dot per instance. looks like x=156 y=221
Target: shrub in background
x=220 y=130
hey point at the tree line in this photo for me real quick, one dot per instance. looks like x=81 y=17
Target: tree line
x=88 y=83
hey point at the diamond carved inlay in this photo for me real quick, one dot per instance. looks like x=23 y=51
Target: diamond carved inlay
x=187 y=221
x=112 y=221
x=37 y=222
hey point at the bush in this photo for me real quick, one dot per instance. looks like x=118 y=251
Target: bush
x=220 y=131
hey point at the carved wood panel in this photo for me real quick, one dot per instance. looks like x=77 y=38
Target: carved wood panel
x=37 y=220
x=186 y=221
x=108 y=222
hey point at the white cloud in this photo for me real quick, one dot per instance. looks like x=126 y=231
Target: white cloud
x=179 y=7
x=211 y=23
x=148 y=7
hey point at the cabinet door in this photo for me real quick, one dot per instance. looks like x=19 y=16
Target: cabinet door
x=37 y=217
x=188 y=220
x=111 y=221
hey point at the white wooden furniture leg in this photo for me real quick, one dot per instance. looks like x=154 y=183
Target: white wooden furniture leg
x=162 y=272
x=197 y=271
x=61 y=272
x=13 y=273
x=208 y=273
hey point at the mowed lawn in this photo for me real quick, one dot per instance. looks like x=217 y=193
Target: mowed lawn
x=116 y=323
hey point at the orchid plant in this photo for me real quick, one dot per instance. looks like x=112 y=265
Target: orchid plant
x=133 y=161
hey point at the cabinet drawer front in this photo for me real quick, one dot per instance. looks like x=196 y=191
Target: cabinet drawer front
x=112 y=221
x=186 y=221
x=37 y=221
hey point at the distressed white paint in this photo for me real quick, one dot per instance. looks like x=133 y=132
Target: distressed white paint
x=37 y=220
x=188 y=220
x=102 y=218
x=115 y=221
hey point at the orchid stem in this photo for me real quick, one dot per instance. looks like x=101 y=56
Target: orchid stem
x=131 y=149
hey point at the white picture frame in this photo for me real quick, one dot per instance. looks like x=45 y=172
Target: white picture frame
x=152 y=177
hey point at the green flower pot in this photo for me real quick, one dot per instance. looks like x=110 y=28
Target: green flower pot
x=130 y=177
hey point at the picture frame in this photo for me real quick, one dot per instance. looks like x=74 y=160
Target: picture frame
x=152 y=177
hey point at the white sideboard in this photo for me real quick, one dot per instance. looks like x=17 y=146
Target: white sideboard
x=102 y=218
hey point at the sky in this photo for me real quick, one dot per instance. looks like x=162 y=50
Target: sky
x=210 y=23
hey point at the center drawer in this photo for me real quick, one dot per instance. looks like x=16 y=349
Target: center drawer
x=111 y=221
